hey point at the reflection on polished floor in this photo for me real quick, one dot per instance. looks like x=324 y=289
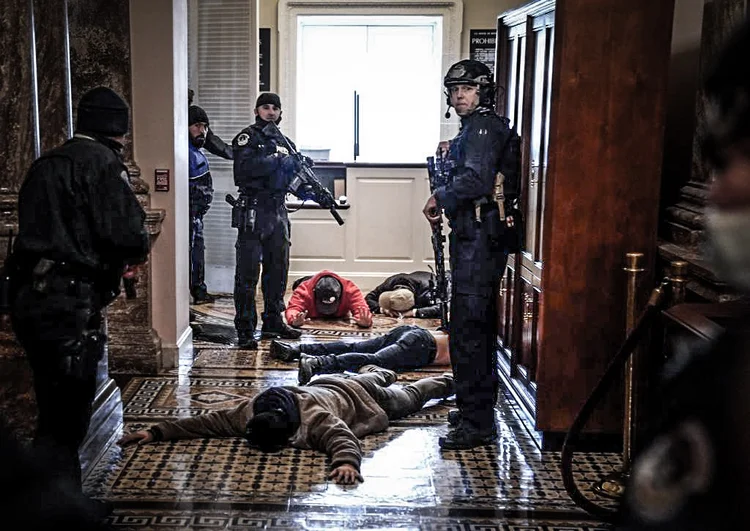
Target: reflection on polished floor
x=409 y=483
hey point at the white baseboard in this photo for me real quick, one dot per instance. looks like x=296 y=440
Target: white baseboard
x=172 y=354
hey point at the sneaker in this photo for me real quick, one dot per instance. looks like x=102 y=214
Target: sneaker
x=279 y=331
x=284 y=351
x=247 y=343
x=307 y=367
x=460 y=439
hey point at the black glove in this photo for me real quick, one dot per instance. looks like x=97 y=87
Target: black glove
x=290 y=165
x=310 y=162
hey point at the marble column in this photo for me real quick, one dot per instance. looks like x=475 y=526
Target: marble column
x=30 y=40
x=100 y=55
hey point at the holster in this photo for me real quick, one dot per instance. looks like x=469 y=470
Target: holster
x=511 y=217
x=244 y=211
x=81 y=356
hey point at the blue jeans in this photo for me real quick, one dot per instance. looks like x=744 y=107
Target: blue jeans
x=404 y=348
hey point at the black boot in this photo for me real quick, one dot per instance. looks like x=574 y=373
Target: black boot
x=455 y=418
x=247 y=343
x=284 y=351
x=309 y=366
x=279 y=329
x=463 y=439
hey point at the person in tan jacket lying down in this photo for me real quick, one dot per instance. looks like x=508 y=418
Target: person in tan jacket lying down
x=330 y=415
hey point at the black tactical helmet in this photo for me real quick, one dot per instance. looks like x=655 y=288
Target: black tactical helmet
x=470 y=72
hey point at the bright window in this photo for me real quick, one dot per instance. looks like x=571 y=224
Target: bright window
x=375 y=79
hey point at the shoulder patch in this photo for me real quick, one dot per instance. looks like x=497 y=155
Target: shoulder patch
x=243 y=139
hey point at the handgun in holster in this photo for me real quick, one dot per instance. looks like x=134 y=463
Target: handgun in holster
x=244 y=211
x=82 y=355
x=40 y=275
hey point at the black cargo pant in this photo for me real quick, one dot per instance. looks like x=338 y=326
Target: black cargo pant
x=201 y=195
x=404 y=348
x=61 y=331
x=477 y=260
x=266 y=245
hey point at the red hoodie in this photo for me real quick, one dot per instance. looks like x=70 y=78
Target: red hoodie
x=303 y=298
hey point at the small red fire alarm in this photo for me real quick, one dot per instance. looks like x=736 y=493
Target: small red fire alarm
x=161 y=180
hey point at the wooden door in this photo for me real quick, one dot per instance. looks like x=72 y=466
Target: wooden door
x=525 y=44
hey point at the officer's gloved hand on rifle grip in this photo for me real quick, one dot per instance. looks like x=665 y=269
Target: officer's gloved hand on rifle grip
x=290 y=165
x=307 y=192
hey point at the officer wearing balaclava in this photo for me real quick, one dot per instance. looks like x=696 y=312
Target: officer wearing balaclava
x=694 y=472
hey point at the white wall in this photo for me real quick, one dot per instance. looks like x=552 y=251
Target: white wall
x=160 y=139
x=384 y=231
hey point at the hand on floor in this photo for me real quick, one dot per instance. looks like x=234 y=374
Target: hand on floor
x=299 y=319
x=364 y=320
x=345 y=475
x=142 y=437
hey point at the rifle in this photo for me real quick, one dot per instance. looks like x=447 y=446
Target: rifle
x=439 y=173
x=305 y=182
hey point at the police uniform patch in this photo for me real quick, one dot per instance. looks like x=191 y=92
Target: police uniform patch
x=282 y=150
x=243 y=139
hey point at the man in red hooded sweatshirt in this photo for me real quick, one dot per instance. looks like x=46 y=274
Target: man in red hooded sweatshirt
x=328 y=295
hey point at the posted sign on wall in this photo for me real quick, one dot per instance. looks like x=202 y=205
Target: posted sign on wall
x=482 y=46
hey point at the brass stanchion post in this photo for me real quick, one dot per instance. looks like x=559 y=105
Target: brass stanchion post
x=678 y=280
x=613 y=485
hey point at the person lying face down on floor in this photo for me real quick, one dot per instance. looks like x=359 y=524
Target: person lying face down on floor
x=329 y=415
x=407 y=295
x=327 y=295
x=404 y=348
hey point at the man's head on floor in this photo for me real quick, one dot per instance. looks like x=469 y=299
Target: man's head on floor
x=327 y=295
x=398 y=300
x=275 y=420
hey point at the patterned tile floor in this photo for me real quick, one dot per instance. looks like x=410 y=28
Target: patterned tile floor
x=409 y=483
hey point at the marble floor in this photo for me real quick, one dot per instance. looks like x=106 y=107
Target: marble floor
x=409 y=483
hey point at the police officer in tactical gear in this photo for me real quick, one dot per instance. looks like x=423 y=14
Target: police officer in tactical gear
x=263 y=169
x=80 y=226
x=484 y=148
x=201 y=194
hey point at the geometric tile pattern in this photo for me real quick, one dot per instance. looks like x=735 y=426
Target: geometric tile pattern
x=217 y=519
x=409 y=483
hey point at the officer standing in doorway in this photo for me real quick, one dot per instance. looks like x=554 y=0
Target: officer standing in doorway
x=484 y=149
x=201 y=194
x=80 y=227
x=263 y=169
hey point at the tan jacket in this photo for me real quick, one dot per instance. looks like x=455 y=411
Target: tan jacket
x=334 y=412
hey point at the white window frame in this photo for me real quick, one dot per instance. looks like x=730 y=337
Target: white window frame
x=288 y=11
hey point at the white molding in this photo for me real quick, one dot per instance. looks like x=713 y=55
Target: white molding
x=288 y=11
x=171 y=354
